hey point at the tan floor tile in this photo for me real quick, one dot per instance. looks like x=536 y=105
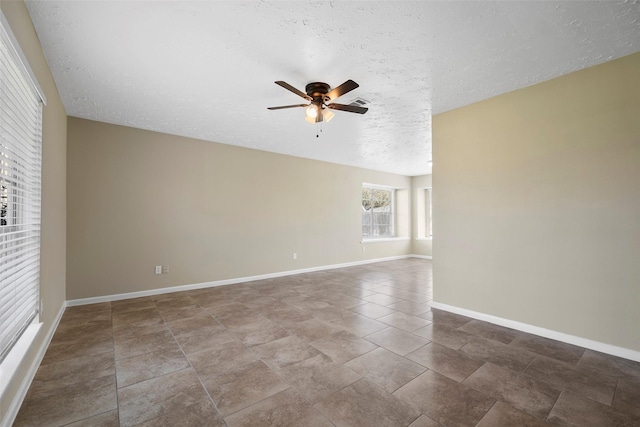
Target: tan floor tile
x=72 y=371
x=150 y=399
x=520 y=391
x=282 y=410
x=627 y=398
x=79 y=312
x=178 y=313
x=372 y=310
x=331 y=313
x=285 y=351
x=106 y=419
x=549 y=348
x=202 y=414
x=288 y=317
x=312 y=329
x=503 y=415
x=397 y=340
x=260 y=331
x=59 y=351
x=499 y=354
x=176 y=300
x=385 y=368
x=196 y=323
x=445 y=335
x=365 y=404
x=404 y=321
x=70 y=403
x=566 y=376
x=230 y=310
x=607 y=364
x=138 y=328
x=120 y=318
x=132 y=304
x=444 y=400
x=204 y=338
x=343 y=346
x=490 y=331
x=382 y=299
x=209 y=298
x=359 y=325
x=140 y=344
x=446 y=319
x=242 y=387
x=411 y=307
x=145 y=366
x=221 y=359
x=573 y=409
x=450 y=363
x=71 y=330
x=424 y=421
x=357 y=293
x=317 y=377
x=343 y=300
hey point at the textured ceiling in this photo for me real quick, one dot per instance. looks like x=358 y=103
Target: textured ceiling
x=206 y=69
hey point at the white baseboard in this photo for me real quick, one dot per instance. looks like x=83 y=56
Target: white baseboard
x=543 y=332
x=151 y=292
x=421 y=256
x=14 y=406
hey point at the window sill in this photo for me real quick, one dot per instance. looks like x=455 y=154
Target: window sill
x=10 y=364
x=385 y=239
x=424 y=238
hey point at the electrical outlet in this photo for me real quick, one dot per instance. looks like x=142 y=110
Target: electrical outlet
x=165 y=269
x=364 y=249
x=158 y=269
x=295 y=255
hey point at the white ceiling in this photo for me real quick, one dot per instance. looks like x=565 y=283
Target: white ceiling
x=206 y=69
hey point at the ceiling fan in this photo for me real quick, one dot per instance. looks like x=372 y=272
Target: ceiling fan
x=320 y=96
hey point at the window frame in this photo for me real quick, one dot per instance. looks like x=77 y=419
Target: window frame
x=393 y=213
x=21 y=172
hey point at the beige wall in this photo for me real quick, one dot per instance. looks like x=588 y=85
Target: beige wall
x=420 y=215
x=210 y=211
x=537 y=204
x=52 y=255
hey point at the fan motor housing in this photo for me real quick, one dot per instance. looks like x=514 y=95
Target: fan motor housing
x=317 y=90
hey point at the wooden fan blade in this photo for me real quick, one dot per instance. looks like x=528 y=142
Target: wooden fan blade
x=293 y=89
x=345 y=87
x=349 y=108
x=287 y=106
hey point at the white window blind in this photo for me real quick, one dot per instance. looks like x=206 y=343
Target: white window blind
x=20 y=166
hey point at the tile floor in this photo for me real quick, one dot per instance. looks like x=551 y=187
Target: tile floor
x=357 y=346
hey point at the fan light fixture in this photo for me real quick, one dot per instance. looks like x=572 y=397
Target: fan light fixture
x=312 y=111
x=327 y=114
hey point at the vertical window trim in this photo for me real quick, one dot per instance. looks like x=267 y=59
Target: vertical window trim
x=13 y=43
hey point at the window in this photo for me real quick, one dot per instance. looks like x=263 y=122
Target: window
x=377 y=212
x=20 y=164
x=424 y=209
x=429 y=211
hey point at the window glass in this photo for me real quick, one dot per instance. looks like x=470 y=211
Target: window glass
x=377 y=212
